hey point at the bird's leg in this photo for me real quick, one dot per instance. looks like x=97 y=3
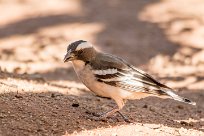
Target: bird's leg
x=120 y=104
x=112 y=111
x=102 y=116
x=109 y=112
x=124 y=117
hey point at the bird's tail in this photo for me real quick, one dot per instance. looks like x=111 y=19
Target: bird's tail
x=177 y=97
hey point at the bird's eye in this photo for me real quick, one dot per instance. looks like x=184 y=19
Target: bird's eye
x=80 y=51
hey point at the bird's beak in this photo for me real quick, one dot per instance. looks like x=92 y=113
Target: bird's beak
x=68 y=57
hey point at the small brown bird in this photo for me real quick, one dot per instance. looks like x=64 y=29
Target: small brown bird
x=112 y=77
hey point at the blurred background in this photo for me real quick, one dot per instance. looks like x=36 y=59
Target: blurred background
x=163 y=37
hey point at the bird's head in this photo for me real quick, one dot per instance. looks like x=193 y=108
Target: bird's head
x=79 y=50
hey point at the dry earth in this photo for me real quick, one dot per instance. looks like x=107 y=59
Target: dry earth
x=40 y=95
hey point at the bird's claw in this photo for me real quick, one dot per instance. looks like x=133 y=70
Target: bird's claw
x=103 y=117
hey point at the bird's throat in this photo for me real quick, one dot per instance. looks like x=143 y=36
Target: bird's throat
x=78 y=65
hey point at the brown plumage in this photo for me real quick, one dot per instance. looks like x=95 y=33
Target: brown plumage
x=111 y=76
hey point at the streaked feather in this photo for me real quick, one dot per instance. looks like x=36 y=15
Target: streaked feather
x=129 y=78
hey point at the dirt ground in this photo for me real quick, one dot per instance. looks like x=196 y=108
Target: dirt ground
x=40 y=95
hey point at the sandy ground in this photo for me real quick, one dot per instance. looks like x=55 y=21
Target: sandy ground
x=40 y=95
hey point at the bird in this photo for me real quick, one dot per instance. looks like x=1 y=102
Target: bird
x=110 y=76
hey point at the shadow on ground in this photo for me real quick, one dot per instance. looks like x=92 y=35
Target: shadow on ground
x=55 y=113
x=124 y=34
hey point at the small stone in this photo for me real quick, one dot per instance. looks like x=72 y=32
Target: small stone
x=152 y=109
x=75 y=105
x=185 y=123
x=53 y=95
x=17 y=70
x=180 y=107
x=145 y=106
x=2 y=116
x=199 y=111
x=18 y=96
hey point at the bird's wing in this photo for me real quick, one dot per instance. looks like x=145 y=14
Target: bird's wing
x=116 y=72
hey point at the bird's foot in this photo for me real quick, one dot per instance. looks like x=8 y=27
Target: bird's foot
x=104 y=117
x=97 y=116
x=125 y=118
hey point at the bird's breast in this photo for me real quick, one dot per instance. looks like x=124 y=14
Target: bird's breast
x=78 y=65
x=86 y=75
